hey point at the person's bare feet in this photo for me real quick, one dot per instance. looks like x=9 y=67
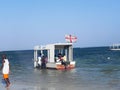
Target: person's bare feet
x=7 y=85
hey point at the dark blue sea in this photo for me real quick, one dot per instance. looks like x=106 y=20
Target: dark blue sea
x=97 y=68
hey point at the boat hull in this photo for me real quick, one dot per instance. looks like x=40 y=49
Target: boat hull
x=59 y=66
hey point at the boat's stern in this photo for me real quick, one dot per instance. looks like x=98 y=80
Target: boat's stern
x=70 y=65
x=59 y=66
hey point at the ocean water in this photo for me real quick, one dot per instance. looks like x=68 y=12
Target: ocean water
x=97 y=68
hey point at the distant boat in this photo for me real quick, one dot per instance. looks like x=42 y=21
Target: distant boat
x=115 y=47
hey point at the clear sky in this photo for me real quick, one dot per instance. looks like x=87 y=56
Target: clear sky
x=26 y=23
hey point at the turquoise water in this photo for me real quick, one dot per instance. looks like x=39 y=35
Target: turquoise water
x=96 y=69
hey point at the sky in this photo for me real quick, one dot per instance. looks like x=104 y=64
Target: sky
x=26 y=23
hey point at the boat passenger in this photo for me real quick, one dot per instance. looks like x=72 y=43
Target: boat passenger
x=39 y=60
x=62 y=59
x=43 y=62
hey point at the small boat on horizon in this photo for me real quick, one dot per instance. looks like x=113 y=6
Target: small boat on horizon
x=115 y=47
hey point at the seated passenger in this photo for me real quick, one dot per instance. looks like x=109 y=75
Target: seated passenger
x=59 y=58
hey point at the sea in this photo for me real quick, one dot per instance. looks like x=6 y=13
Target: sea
x=97 y=68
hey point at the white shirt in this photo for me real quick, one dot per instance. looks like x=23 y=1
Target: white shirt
x=39 y=60
x=5 y=69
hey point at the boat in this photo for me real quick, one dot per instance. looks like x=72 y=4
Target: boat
x=52 y=50
x=115 y=47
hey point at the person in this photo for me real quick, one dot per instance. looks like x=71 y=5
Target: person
x=62 y=59
x=5 y=70
x=44 y=61
x=39 y=60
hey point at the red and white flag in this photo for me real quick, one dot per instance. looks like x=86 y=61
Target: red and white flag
x=70 y=38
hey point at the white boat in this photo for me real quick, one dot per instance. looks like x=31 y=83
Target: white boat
x=115 y=47
x=51 y=50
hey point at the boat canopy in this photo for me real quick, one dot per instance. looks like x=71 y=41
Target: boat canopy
x=55 y=49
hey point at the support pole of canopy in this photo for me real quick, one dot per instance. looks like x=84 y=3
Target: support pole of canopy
x=70 y=53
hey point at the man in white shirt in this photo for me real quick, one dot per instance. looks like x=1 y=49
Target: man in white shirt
x=39 y=60
x=5 y=70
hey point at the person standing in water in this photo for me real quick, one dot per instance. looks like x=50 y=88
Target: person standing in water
x=39 y=60
x=43 y=62
x=5 y=70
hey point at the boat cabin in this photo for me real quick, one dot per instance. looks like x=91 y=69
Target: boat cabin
x=53 y=52
x=115 y=47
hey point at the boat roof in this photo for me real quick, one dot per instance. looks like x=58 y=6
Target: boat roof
x=57 y=45
x=116 y=44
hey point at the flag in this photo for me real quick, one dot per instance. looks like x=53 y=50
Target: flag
x=70 y=38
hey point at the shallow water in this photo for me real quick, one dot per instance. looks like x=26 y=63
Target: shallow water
x=94 y=71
